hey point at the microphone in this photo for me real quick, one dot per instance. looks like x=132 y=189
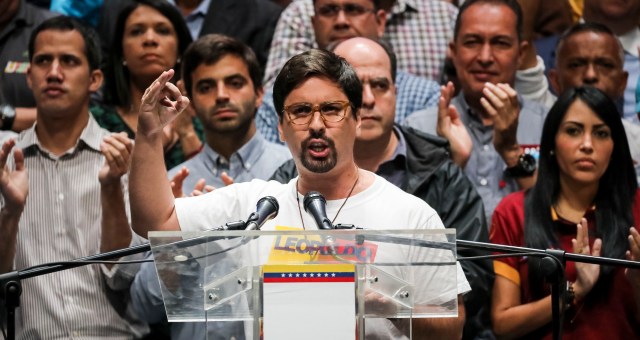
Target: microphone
x=315 y=204
x=266 y=209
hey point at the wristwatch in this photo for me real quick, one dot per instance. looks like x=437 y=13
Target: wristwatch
x=7 y=116
x=525 y=167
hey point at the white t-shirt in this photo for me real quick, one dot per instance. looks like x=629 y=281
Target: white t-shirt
x=382 y=206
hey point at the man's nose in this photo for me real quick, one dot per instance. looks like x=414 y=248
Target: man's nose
x=55 y=71
x=485 y=55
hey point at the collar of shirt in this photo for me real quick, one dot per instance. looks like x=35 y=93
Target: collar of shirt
x=394 y=168
x=195 y=19
x=631 y=41
x=202 y=9
x=246 y=156
x=91 y=136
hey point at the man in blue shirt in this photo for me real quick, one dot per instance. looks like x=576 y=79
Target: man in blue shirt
x=493 y=132
x=222 y=77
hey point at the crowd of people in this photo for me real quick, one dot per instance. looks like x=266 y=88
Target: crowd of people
x=514 y=122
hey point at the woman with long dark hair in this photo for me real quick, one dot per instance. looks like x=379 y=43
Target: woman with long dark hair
x=585 y=201
x=150 y=37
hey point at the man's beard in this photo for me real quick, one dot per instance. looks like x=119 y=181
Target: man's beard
x=314 y=164
x=232 y=126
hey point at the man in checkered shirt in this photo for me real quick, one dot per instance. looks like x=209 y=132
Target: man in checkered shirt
x=418 y=31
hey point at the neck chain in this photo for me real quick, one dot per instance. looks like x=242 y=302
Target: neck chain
x=339 y=209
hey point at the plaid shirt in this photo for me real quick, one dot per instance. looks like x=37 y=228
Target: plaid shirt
x=419 y=31
x=414 y=94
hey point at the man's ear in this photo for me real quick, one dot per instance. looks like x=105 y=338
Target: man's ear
x=280 y=133
x=95 y=81
x=623 y=84
x=29 y=83
x=523 y=49
x=451 y=49
x=259 y=96
x=358 y=124
x=381 y=19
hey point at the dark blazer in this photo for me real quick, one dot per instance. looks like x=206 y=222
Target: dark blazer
x=250 y=21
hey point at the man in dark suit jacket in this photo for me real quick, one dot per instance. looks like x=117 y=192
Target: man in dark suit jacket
x=250 y=21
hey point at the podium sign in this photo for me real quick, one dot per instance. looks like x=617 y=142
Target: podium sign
x=289 y=284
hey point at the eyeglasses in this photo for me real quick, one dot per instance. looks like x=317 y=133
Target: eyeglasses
x=350 y=10
x=330 y=112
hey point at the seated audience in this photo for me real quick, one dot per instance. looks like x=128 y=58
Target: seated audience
x=584 y=201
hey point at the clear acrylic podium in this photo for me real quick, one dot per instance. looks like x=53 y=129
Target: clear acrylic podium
x=391 y=276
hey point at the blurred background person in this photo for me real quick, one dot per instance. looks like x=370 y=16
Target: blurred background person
x=17 y=104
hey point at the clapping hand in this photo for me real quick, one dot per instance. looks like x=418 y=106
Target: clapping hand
x=633 y=254
x=200 y=187
x=501 y=103
x=451 y=127
x=116 y=149
x=587 y=273
x=14 y=185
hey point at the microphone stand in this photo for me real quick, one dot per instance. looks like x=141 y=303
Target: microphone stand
x=12 y=287
x=553 y=262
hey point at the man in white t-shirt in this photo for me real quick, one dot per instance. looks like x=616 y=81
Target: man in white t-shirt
x=322 y=146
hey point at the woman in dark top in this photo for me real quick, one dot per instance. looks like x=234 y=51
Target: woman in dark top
x=152 y=36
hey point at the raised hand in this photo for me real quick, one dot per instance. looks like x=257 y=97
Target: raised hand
x=501 y=103
x=633 y=254
x=451 y=127
x=116 y=149
x=201 y=188
x=226 y=179
x=177 y=181
x=161 y=103
x=14 y=185
x=587 y=273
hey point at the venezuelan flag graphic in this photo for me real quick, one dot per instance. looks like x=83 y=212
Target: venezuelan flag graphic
x=309 y=273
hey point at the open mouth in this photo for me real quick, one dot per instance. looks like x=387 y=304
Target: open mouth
x=318 y=149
